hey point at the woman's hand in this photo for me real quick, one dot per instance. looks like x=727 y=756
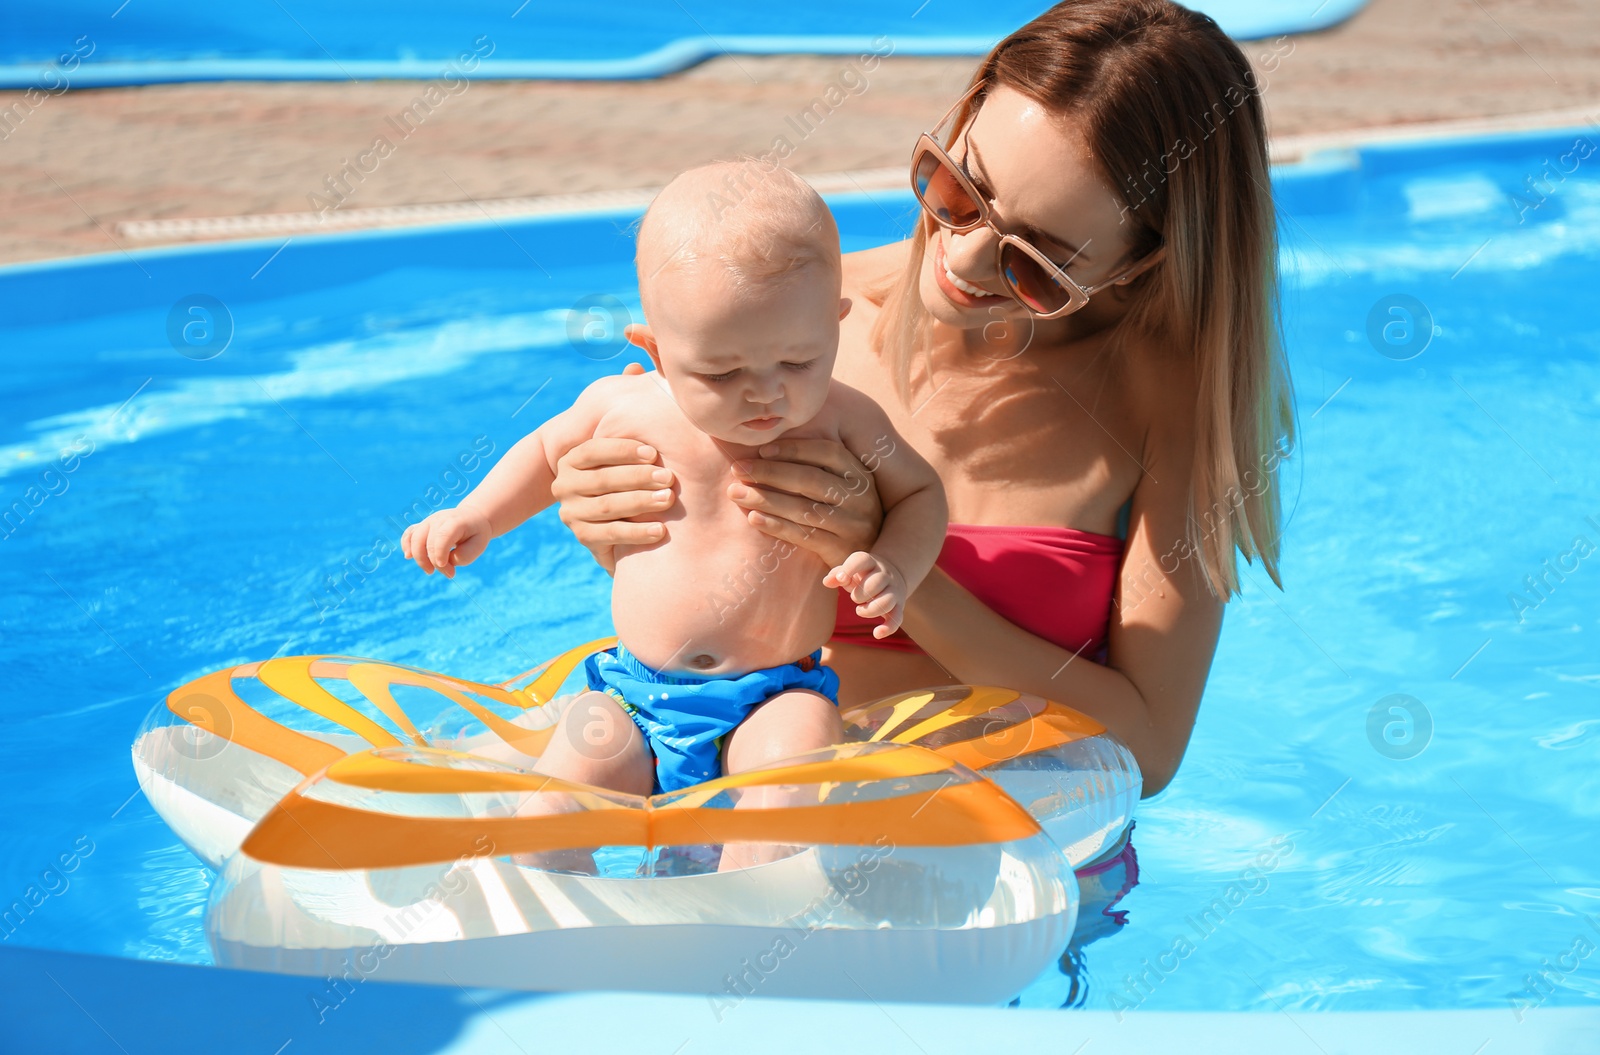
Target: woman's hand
x=812 y=493
x=600 y=483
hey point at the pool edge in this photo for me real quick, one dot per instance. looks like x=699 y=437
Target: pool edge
x=1383 y=152
x=77 y=1001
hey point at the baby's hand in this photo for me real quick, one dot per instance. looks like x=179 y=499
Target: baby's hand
x=446 y=540
x=876 y=586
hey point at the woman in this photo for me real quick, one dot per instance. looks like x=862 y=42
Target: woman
x=1107 y=456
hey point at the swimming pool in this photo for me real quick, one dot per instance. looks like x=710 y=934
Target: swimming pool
x=85 y=44
x=1410 y=748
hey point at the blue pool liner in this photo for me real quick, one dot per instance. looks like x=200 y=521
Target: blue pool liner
x=77 y=44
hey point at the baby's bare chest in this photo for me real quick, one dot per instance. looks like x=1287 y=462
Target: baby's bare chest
x=710 y=541
x=702 y=467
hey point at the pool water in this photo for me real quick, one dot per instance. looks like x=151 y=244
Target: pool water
x=81 y=43
x=1390 y=795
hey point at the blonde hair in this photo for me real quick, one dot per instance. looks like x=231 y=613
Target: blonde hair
x=760 y=222
x=1170 y=107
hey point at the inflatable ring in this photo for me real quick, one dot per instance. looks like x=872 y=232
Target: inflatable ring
x=369 y=817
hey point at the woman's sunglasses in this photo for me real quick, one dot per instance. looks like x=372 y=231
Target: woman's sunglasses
x=1038 y=283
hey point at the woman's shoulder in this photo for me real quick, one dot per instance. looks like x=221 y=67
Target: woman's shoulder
x=868 y=274
x=1163 y=384
x=1163 y=381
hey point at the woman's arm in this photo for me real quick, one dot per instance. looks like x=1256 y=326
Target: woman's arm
x=1164 y=620
x=1164 y=627
x=1147 y=694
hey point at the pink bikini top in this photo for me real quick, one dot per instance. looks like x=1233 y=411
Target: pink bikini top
x=1053 y=582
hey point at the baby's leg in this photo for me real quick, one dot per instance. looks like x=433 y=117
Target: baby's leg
x=785 y=725
x=594 y=743
x=597 y=743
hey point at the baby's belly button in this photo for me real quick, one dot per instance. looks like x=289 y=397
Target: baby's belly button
x=703 y=661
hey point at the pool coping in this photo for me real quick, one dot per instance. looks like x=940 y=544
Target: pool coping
x=372 y=217
x=1385 y=149
x=1283 y=150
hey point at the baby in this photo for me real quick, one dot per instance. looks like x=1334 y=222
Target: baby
x=743 y=304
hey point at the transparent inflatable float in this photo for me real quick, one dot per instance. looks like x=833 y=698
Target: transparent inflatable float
x=369 y=819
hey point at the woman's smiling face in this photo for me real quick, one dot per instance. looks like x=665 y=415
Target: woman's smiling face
x=1041 y=182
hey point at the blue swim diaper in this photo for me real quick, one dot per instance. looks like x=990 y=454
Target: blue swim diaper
x=684 y=717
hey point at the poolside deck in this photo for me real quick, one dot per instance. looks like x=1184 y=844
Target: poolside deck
x=87 y=171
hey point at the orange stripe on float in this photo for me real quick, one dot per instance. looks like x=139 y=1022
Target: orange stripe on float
x=981 y=700
x=404 y=675
x=377 y=771
x=530 y=742
x=902 y=711
x=969 y=812
x=1025 y=738
x=553 y=672
x=873 y=765
x=308 y=833
x=372 y=680
x=1065 y=717
x=290 y=677
x=209 y=703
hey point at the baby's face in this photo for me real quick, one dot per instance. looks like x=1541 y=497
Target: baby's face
x=747 y=367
